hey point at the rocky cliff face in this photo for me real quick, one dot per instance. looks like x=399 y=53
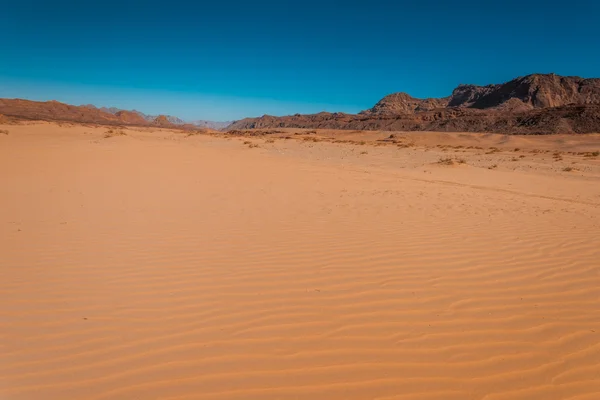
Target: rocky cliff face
x=402 y=103
x=541 y=121
x=534 y=91
x=538 y=103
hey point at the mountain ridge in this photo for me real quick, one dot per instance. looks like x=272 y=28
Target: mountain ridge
x=531 y=104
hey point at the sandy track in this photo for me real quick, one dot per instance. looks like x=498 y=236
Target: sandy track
x=155 y=266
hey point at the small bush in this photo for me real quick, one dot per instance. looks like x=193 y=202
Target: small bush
x=568 y=169
x=446 y=161
x=311 y=139
x=112 y=132
x=4 y=131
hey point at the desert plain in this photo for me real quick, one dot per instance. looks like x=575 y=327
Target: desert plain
x=147 y=263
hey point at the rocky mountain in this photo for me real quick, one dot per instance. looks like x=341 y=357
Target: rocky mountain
x=533 y=104
x=162 y=121
x=402 y=103
x=217 y=125
x=149 y=118
x=56 y=111
x=534 y=91
x=565 y=119
x=174 y=120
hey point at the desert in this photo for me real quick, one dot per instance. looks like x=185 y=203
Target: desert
x=149 y=262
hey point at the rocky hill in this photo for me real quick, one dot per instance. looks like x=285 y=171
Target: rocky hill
x=534 y=91
x=402 y=103
x=534 y=104
x=217 y=125
x=565 y=119
x=56 y=111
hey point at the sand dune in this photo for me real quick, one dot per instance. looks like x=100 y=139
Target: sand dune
x=156 y=265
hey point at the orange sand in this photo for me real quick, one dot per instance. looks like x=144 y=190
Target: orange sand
x=159 y=266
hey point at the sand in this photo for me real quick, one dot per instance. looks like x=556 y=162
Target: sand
x=156 y=265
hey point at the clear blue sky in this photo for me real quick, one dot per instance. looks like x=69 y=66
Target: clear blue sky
x=224 y=60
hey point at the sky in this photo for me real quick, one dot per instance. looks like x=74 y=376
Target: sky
x=226 y=60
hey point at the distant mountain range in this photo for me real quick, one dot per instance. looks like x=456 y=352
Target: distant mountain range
x=533 y=104
x=172 y=119
x=56 y=111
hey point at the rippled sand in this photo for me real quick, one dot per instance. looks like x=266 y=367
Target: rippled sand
x=154 y=265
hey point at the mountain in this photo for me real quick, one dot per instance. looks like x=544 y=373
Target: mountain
x=535 y=91
x=402 y=103
x=162 y=121
x=211 y=124
x=533 y=104
x=174 y=120
x=149 y=118
x=56 y=111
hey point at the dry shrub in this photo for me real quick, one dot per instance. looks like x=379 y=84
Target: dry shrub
x=451 y=161
x=311 y=139
x=114 y=132
x=4 y=131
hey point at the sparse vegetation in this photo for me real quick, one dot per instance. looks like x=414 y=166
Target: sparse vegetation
x=193 y=133
x=4 y=131
x=568 y=169
x=493 y=166
x=451 y=161
x=270 y=141
x=311 y=139
x=364 y=152
x=114 y=132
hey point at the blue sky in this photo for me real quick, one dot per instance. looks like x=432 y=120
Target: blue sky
x=224 y=60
